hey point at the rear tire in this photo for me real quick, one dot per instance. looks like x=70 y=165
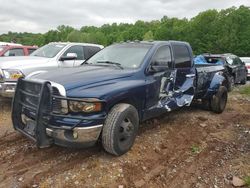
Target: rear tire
x=120 y=129
x=219 y=100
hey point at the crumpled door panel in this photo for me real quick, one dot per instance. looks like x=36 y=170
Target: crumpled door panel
x=171 y=97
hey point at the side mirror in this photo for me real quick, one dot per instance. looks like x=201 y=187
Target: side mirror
x=159 y=66
x=69 y=56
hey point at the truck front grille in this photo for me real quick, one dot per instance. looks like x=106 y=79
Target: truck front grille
x=59 y=105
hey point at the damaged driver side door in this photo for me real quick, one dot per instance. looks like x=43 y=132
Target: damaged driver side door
x=159 y=81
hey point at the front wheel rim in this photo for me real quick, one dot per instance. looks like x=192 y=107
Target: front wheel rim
x=126 y=133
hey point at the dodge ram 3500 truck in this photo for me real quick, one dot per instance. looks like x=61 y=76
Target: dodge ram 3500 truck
x=110 y=94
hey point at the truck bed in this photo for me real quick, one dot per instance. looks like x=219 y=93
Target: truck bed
x=205 y=75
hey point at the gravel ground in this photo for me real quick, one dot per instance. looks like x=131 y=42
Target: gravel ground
x=186 y=148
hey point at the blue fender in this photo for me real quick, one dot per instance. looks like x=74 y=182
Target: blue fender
x=216 y=82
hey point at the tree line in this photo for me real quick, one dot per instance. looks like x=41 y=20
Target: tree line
x=211 y=31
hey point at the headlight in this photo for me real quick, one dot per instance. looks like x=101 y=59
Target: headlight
x=87 y=107
x=12 y=74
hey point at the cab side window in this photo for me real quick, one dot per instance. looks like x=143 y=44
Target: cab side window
x=162 y=57
x=89 y=51
x=182 y=56
x=78 y=50
x=14 y=52
x=31 y=50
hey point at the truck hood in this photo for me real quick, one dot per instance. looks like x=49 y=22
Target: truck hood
x=72 y=78
x=22 y=62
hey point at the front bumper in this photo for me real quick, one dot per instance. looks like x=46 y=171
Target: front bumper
x=33 y=116
x=78 y=137
x=7 y=89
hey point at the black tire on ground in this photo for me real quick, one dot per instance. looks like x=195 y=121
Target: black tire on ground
x=120 y=129
x=219 y=100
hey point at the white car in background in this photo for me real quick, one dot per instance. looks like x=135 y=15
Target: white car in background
x=246 y=60
x=50 y=56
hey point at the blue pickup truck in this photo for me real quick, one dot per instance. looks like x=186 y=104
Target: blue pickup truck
x=108 y=96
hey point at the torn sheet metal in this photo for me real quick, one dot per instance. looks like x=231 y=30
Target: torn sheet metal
x=171 y=98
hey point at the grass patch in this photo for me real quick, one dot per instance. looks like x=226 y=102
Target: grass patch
x=195 y=149
x=245 y=90
x=247 y=180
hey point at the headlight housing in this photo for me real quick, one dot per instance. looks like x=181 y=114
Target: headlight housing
x=86 y=107
x=12 y=74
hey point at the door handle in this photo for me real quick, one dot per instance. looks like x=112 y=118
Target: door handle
x=190 y=75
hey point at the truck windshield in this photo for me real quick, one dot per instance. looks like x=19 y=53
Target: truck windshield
x=128 y=55
x=49 y=50
x=1 y=48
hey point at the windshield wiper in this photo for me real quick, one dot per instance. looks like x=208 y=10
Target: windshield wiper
x=112 y=63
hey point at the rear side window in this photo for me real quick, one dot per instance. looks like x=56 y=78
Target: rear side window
x=31 y=50
x=14 y=52
x=78 y=50
x=182 y=56
x=89 y=51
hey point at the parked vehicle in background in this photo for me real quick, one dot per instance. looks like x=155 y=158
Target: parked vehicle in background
x=15 y=50
x=235 y=69
x=112 y=92
x=246 y=60
x=9 y=43
x=47 y=57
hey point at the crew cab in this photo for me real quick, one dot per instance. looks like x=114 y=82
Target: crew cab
x=16 y=50
x=111 y=93
x=45 y=58
x=235 y=69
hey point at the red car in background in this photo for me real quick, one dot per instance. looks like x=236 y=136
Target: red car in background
x=9 y=49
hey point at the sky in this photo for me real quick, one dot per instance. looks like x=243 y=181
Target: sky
x=39 y=16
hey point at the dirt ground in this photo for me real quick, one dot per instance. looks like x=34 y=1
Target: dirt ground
x=190 y=147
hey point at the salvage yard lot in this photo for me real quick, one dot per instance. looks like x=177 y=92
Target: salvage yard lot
x=187 y=148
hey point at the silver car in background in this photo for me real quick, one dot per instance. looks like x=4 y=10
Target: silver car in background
x=246 y=60
x=50 y=56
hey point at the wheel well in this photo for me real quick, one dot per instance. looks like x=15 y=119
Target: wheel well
x=127 y=101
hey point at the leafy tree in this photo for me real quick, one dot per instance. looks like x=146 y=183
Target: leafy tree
x=210 y=31
x=148 y=36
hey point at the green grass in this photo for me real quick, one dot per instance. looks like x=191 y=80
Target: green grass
x=245 y=90
x=247 y=180
x=195 y=149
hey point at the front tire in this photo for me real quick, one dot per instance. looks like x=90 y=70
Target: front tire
x=120 y=129
x=219 y=100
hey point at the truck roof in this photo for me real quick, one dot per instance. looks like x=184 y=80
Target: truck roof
x=10 y=44
x=75 y=43
x=155 y=42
